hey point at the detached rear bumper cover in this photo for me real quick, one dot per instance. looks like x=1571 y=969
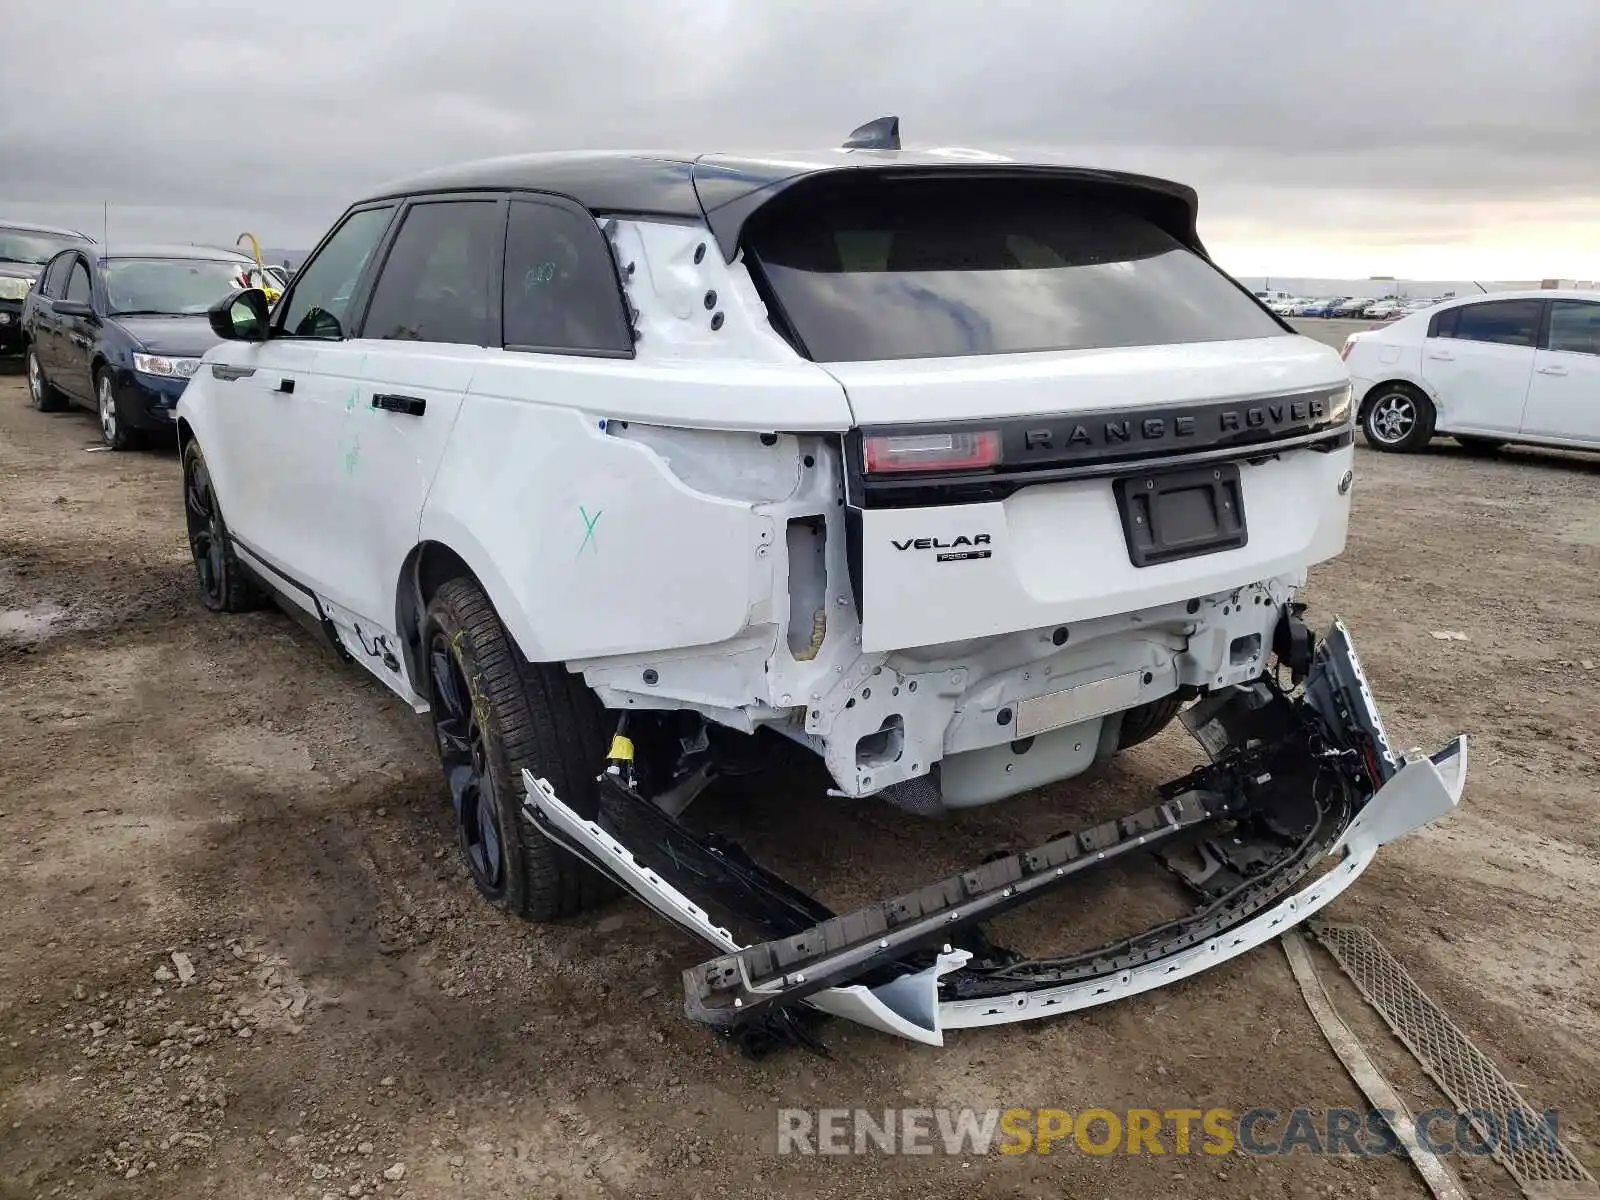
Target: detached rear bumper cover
x=898 y=966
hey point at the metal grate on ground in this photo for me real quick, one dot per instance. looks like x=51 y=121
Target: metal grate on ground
x=1541 y=1165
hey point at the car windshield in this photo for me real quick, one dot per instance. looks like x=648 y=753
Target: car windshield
x=175 y=286
x=31 y=245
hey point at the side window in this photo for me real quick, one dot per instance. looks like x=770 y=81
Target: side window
x=1575 y=326
x=54 y=280
x=317 y=305
x=561 y=291
x=1504 y=322
x=78 y=289
x=1443 y=324
x=435 y=283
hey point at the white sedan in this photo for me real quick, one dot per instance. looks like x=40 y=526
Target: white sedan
x=1486 y=370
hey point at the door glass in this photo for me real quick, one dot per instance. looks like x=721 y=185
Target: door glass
x=1444 y=324
x=561 y=290
x=78 y=284
x=317 y=305
x=1575 y=327
x=435 y=282
x=55 y=277
x=1504 y=322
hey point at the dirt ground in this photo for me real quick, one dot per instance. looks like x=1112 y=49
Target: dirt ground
x=172 y=781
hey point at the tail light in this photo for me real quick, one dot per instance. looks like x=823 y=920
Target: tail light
x=965 y=451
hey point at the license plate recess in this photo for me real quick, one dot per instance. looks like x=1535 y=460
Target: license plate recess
x=1172 y=515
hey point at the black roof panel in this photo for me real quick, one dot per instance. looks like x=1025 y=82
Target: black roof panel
x=601 y=181
x=727 y=189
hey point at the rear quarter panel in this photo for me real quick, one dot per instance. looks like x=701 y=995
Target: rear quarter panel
x=588 y=543
x=1384 y=356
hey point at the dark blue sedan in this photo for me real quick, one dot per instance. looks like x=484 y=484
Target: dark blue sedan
x=119 y=330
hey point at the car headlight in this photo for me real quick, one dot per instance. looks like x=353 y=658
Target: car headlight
x=157 y=364
x=13 y=288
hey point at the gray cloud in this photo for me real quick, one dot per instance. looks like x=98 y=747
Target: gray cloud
x=1409 y=118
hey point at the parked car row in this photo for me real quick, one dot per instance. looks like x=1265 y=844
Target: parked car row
x=1387 y=308
x=118 y=330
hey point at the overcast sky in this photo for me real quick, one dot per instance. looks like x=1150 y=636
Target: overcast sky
x=1424 y=138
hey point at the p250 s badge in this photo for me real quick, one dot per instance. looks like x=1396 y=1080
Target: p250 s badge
x=957 y=549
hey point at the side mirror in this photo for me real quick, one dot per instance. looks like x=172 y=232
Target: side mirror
x=73 y=308
x=241 y=317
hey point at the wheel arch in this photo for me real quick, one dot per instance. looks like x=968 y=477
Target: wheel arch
x=430 y=564
x=1376 y=389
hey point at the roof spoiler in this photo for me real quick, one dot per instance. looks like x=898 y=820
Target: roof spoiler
x=730 y=203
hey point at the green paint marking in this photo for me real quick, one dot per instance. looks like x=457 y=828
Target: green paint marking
x=588 y=531
x=352 y=456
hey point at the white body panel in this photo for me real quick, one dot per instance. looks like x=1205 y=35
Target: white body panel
x=662 y=566
x=252 y=441
x=1480 y=385
x=1563 y=397
x=1059 y=555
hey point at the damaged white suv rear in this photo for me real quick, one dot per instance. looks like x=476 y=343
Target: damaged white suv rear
x=963 y=473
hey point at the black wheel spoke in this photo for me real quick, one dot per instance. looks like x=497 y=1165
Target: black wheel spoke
x=199 y=497
x=489 y=826
x=205 y=563
x=463 y=789
x=206 y=538
x=444 y=684
x=465 y=758
x=214 y=561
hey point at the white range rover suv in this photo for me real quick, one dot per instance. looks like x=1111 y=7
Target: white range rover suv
x=961 y=472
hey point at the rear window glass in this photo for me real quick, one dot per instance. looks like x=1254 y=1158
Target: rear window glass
x=949 y=268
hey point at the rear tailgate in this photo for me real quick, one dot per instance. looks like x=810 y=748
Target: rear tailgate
x=1109 y=461
x=1063 y=409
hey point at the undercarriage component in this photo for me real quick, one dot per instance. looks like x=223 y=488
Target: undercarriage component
x=1294 y=783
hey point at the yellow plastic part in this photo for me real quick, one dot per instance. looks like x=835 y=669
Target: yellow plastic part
x=621 y=749
x=819 y=631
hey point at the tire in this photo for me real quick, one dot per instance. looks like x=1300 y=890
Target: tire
x=1141 y=723
x=1479 y=445
x=114 y=429
x=494 y=715
x=1397 y=418
x=42 y=394
x=224 y=585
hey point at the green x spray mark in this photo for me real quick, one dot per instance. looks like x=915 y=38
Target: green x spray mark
x=588 y=531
